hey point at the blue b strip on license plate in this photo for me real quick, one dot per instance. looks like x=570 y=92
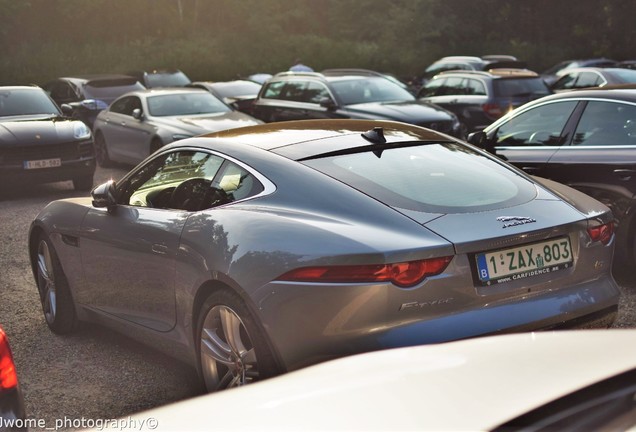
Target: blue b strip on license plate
x=524 y=261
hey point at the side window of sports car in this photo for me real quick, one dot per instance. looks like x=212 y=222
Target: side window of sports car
x=539 y=126
x=188 y=180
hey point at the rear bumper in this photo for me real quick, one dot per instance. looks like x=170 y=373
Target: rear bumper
x=324 y=323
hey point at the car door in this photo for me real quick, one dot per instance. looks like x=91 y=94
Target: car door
x=127 y=137
x=600 y=159
x=129 y=252
x=530 y=139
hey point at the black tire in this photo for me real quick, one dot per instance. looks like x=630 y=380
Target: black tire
x=55 y=294
x=83 y=183
x=155 y=145
x=101 y=151
x=235 y=361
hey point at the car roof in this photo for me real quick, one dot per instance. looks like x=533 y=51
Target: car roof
x=626 y=93
x=500 y=73
x=309 y=138
x=158 y=91
x=22 y=87
x=333 y=74
x=84 y=79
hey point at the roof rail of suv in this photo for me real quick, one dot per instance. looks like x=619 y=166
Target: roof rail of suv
x=352 y=71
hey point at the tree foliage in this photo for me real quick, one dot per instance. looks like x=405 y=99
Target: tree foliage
x=221 y=39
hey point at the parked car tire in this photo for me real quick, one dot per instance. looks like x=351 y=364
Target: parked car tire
x=232 y=350
x=83 y=183
x=101 y=151
x=55 y=294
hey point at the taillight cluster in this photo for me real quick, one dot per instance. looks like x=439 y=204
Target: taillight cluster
x=8 y=375
x=493 y=111
x=402 y=274
x=602 y=233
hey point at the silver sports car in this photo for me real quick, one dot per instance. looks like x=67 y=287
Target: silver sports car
x=140 y=122
x=259 y=250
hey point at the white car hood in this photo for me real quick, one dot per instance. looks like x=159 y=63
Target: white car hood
x=475 y=384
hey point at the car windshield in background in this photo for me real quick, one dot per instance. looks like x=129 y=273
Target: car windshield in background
x=434 y=178
x=374 y=89
x=520 y=87
x=185 y=104
x=167 y=79
x=26 y=102
x=237 y=89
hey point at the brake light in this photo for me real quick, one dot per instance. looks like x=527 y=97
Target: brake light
x=492 y=110
x=602 y=233
x=8 y=375
x=403 y=274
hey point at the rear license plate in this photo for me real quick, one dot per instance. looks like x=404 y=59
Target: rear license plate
x=43 y=163
x=524 y=261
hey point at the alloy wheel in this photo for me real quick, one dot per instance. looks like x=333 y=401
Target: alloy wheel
x=46 y=282
x=228 y=358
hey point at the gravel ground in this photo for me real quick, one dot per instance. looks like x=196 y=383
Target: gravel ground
x=95 y=373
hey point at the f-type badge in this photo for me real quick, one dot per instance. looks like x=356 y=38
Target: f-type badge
x=510 y=221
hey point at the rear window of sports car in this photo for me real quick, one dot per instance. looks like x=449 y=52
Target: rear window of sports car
x=439 y=178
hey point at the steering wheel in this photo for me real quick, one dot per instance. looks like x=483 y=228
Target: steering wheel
x=190 y=194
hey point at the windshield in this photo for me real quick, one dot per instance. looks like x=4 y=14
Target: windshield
x=365 y=90
x=435 y=178
x=110 y=91
x=26 y=102
x=179 y=104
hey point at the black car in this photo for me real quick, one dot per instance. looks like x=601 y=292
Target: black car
x=39 y=144
x=239 y=94
x=348 y=94
x=478 y=98
x=89 y=94
x=161 y=78
x=470 y=63
x=587 y=77
x=585 y=139
x=12 y=413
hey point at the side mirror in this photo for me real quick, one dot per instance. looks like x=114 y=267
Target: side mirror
x=328 y=103
x=104 y=195
x=67 y=109
x=481 y=140
x=137 y=114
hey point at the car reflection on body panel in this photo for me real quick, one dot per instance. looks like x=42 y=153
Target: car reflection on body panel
x=569 y=380
x=260 y=250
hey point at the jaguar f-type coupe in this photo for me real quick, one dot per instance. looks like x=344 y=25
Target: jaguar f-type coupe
x=260 y=250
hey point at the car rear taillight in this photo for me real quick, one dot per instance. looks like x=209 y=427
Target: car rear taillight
x=403 y=274
x=493 y=111
x=8 y=375
x=602 y=233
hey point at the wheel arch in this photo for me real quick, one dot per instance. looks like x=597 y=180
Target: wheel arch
x=211 y=286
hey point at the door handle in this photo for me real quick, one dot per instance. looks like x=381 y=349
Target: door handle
x=160 y=249
x=530 y=170
x=624 y=174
